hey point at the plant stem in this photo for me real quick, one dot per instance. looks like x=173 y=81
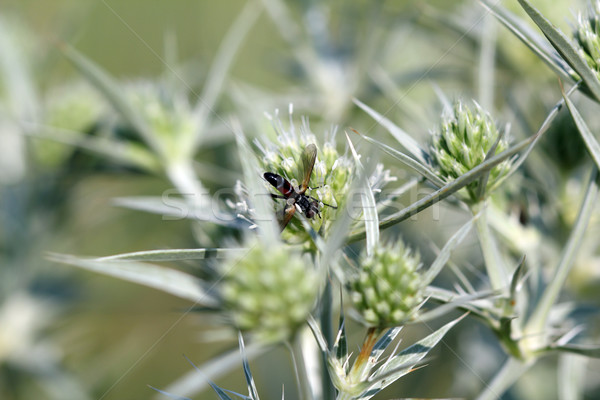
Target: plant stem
x=510 y=372
x=327 y=329
x=300 y=368
x=183 y=177
x=491 y=255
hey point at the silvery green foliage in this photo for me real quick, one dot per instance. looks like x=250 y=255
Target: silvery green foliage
x=379 y=362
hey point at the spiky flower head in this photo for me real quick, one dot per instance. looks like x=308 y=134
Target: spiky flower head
x=463 y=140
x=587 y=36
x=388 y=287
x=331 y=176
x=269 y=291
x=170 y=118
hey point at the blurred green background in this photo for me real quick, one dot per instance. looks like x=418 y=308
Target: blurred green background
x=108 y=339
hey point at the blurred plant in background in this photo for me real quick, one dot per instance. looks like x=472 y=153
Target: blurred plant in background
x=196 y=139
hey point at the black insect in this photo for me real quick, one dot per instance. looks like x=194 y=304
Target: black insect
x=296 y=197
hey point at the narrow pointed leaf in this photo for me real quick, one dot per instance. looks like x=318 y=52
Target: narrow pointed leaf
x=402 y=137
x=409 y=356
x=190 y=384
x=517 y=278
x=446 y=296
x=459 y=302
x=171 y=396
x=588 y=137
x=563 y=45
x=173 y=255
x=421 y=169
x=584 y=350
x=127 y=153
x=113 y=92
x=339 y=231
x=341 y=343
x=247 y=373
x=550 y=295
x=444 y=256
x=222 y=393
x=175 y=208
x=260 y=197
x=530 y=38
x=168 y=280
x=451 y=187
x=319 y=337
x=533 y=139
x=222 y=63
x=369 y=207
x=383 y=342
x=482 y=185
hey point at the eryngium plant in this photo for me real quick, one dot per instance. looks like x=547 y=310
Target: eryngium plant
x=587 y=36
x=330 y=178
x=388 y=287
x=464 y=139
x=269 y=291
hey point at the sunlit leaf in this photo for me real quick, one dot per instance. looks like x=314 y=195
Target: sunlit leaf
x=191 y=383
x=174 y=254
x=369 y=207
x=113 y=92
x=173 y=208
x=444 y=255
x=531 y=39
x=584 y=350
x=166 y=279
x=588 y=137
x=395 y=367
x=421 y=169
x=563 y=45
x=402 y=137
x=551 y=293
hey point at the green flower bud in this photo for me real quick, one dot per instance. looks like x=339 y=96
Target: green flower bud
x=74 y=109
x=462 y=142
x=269 y=291
x=170 y=117
x=587 y=36
x=388 y=288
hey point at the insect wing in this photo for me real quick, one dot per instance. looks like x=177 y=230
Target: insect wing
x=280 y=183
x=288 y=213
x=308 y=162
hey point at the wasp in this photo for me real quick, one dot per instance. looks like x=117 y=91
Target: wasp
x=296 y=198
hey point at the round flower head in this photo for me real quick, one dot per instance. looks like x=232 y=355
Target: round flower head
x=388 y=287
x=269 y=291
x=463 y=140
x=587 y=36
